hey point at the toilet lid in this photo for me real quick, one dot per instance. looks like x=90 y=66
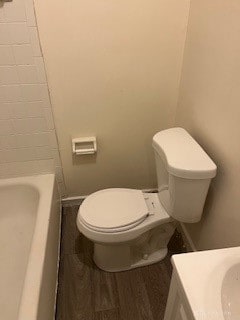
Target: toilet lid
x=110 y=209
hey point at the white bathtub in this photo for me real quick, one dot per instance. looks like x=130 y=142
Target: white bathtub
x=29 y=247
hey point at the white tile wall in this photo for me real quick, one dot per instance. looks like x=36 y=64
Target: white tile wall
x=28 y=143
x=6 y=55
x=22 y=54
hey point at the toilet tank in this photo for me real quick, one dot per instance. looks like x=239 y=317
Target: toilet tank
x=184 y=173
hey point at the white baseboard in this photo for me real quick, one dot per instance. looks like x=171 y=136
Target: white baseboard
x=74 y=198
x=186 y=237
x=72 y=201
x=149 y=190
x=78 y=199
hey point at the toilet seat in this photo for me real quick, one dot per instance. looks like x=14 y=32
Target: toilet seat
x=114 y=210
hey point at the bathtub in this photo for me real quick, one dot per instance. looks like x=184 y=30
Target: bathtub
x=29 y=247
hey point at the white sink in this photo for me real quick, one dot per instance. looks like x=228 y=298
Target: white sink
x=210 y=283
x=230 y=293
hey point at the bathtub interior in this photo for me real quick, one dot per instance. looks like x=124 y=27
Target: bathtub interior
x=18 y=212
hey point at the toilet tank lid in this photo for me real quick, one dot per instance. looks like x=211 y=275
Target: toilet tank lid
x=182 y=155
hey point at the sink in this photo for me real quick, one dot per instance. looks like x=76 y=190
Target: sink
x=230 y=293
x=209 y=283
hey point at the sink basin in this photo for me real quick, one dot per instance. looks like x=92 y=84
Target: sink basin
x=230 y=293
x=210 y=281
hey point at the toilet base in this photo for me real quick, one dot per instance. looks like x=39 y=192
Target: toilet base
x=149 y=248
x=152 y=258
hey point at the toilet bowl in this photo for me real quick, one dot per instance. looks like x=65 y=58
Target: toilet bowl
x=131 y=228
x=125 y=226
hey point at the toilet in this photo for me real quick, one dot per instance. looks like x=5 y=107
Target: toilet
x=131 y=228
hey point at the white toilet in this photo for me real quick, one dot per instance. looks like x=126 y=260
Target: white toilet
x=131 y=228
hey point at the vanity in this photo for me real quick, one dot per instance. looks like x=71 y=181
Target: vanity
x=205 y=286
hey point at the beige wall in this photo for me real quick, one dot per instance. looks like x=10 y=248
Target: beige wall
x=113 y=69
x=209 y=107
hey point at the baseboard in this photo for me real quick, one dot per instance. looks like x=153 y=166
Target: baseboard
x=186 y=237
x=150 y=190
x=72 y=201
x=74 y=198
x=68 y=201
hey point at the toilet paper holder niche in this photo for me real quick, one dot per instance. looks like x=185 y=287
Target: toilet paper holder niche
x=83 y=146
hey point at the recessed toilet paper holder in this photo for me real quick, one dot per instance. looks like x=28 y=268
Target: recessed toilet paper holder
x=85 y=145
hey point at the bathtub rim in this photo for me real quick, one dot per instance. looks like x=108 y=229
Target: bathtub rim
x=45 y=185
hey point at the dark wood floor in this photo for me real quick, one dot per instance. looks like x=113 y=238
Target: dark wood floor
x=87 y=293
